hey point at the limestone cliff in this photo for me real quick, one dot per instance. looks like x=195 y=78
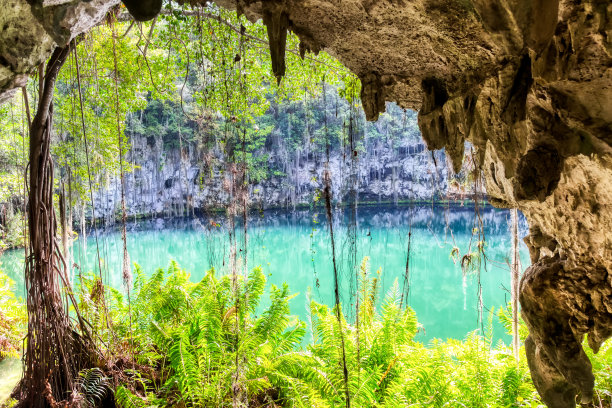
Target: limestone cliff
x=166 y=182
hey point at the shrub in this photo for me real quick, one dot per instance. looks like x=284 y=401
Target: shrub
x=211 y=344
x=13 y=319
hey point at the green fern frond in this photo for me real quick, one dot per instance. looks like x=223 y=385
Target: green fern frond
x=124 y=398
x=93 y=385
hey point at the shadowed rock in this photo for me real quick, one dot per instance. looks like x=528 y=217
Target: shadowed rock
x=560 y=304
x=277 y=23
x=143 y=10
x=538 y=173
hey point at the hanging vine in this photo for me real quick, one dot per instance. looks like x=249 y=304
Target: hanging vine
x=327 y=195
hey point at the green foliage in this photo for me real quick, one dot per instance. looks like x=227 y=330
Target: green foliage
x=12 y=230
x=505 y=317
x=13 y=319
x=210 y=341
x=198 y=77
x=205 y=343
x=14 y=147
x=602 y=368
x=10 y=403
x=92 y=386
x=207 y=337
x=389 y=368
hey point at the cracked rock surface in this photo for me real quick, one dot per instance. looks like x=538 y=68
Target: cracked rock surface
x=29 y=31
x=527 y=82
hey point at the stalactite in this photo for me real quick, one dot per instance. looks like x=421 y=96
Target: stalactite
x=277 y=23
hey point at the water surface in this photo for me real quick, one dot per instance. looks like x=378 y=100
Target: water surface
x=294 y=247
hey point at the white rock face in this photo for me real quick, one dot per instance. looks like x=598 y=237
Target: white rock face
x=166 y=183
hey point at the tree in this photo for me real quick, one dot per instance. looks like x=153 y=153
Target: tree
x=54 y=352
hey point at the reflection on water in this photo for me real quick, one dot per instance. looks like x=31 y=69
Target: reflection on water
x=293 y=247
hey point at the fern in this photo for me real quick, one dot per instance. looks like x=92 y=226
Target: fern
x=124 y=398
x=93 y=386
x=192 y=335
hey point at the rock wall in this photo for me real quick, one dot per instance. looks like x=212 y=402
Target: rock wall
x=166 y=182
x=30 y=30
x=529 y=83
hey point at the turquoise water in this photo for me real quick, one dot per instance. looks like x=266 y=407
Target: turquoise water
x=294 y=247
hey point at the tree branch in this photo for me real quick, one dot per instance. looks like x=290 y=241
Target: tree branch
x=124 y=17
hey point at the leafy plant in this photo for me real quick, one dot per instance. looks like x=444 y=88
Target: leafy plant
x=211 y=343
x=12 y=232
x=206 y=338
x=13 y=319
x=93 y=386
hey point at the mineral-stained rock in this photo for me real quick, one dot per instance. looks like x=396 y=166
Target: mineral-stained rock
x=554 y=389
x=277 y=23
x=372 y=96
x=528 y=82
x=537 y=173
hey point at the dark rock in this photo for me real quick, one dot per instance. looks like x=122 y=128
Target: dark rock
x=537 y=174
x=560 y=304
x=277 y=23
x=372 y=97
x=143 y=10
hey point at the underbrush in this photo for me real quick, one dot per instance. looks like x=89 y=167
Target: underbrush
x=174 y=342
x=11 y=230
x=208 y=344
x=13 y=319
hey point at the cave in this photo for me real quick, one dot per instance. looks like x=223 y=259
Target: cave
x=528 y=83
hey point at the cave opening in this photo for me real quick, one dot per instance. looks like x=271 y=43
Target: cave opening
x=211 y=125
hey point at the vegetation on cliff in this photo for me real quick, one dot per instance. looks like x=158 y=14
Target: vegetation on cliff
x=192 y=80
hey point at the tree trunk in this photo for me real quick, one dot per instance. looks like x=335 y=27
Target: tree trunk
x=53 y=350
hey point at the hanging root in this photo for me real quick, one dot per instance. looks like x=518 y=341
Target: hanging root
x=330 y=219
x=560 y=304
